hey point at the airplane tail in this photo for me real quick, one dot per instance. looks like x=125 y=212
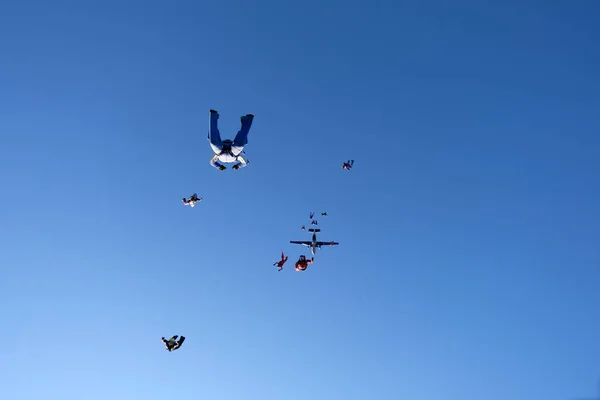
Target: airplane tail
x=314 y=230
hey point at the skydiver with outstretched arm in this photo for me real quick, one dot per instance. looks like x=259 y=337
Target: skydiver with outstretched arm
x=228 y=151
x=192 y=200
x=302 y=263
x=279 y=264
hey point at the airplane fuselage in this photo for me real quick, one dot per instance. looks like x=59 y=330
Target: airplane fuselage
x=313 y=245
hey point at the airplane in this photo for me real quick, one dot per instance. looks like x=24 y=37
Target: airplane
x=314 y=245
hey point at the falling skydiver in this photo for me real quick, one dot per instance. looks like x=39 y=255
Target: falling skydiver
x=348 y=165
x=228 y=151
x=173 y=344
x=302 y=263
x=192 y=200
x=279 y=264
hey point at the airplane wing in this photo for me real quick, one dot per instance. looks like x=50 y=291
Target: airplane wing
x=302 y=243
x=327 y=243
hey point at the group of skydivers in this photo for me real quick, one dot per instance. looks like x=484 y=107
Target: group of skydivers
x=302 y=262
x=232 y=151
x=312 y=220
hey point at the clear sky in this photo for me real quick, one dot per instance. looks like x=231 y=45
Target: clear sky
x=469 y=227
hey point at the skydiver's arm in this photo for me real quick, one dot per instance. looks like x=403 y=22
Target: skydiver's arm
x=242 y=162
x=214 y=162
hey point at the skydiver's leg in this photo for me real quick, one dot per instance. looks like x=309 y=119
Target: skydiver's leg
x=214 y=136
x=241 y=138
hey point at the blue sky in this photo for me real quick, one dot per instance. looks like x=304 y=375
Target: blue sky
x=468 y=264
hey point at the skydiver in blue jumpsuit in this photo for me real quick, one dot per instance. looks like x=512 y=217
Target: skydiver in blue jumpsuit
x=228 y=151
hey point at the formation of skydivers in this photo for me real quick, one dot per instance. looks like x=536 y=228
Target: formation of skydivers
x=312 y=220
x=232 y=152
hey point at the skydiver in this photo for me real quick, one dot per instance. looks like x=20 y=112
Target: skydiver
x=173 y=344
x=280 y=263
x=192 y=200
x=303 y=228
x=314 y=222
x=228 y=151
x=348 y=165
x=312 y=214
x=302 y=263
x=323 y=214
